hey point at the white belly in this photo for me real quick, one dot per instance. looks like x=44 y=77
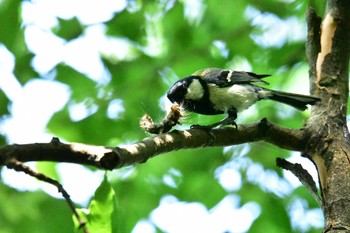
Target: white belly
x=240 y=97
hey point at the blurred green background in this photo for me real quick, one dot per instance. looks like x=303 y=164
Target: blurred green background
x=112 y=62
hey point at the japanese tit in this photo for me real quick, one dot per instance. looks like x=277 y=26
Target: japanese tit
x=215 y=91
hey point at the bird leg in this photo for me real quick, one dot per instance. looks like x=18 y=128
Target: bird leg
x=229 y=120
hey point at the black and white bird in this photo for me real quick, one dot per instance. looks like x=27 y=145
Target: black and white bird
x=214 y=91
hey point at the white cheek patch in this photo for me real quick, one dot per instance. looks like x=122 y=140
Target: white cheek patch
x=195 y=91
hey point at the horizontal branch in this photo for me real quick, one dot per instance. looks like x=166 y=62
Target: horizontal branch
x=54 y=151
x=112 y=158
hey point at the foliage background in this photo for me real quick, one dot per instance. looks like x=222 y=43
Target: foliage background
x=162 y=41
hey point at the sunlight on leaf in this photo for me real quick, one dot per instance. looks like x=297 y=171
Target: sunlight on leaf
x=99 y=217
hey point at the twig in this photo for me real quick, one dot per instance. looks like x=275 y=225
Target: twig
x=304 y=177
x=19 y=166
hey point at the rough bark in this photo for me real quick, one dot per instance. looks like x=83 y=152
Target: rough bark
x=328 y=53
x=141 y=151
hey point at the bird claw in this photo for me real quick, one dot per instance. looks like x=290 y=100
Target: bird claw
x=204 y=127
x=234 y=124
x=208 y=129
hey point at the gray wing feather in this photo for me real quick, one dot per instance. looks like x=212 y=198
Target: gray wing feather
x=226 y=78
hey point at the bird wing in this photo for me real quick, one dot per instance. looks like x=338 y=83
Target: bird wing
x=226 y=78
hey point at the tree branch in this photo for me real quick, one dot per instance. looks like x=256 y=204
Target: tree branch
x=55 y=151
x=304 y=177
x=139 y=152
x=313 y=46
x=19 y=166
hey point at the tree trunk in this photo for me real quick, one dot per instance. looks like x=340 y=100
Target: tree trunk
x=329 y=148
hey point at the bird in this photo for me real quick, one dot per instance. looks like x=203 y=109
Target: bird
x=214 y=91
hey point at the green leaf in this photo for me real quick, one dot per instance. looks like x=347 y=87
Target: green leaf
x=49 y=169
x=101 y=209
x=10 y=24
x=120 y=25
x=23 y=68
x=81 y=86
x=4 y=102
x=69 y=29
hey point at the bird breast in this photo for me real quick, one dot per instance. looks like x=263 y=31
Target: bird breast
x=236 y=96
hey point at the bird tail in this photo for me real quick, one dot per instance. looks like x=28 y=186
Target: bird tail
x=295 y=100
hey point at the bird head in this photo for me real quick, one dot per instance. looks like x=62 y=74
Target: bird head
x=178 y=91
x=187 y=89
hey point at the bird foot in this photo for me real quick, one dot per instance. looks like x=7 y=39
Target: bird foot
x=204 y=127
x=212 y=126
x=208 y=129
x=233 y=123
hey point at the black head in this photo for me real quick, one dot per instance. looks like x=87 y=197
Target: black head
x=179 y=90
x=192 y=93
